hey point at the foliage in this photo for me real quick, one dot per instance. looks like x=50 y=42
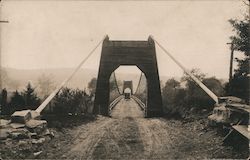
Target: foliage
x=239 y=85
x=17 y=102
x=181 y=96
x=3 y=102
x=30 y=97
x=71 y=101
x=173 y=97
x=92 y=85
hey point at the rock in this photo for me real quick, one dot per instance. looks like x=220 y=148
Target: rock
x=37 y=153
x=22 y=143
x=4 y=123
x=20 y=133
x=4 y=133
x=21 y=116
x=39 y=141
x=49 y=133
x=37 y=126
x=53 y=135
x=17 y=125
x=33 y=135
x=64 y=156
x=200 y=134
x=203 y=110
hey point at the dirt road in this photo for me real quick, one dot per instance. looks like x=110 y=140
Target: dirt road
x=128 y=135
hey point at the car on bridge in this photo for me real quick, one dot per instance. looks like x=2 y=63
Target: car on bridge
x=127 y=93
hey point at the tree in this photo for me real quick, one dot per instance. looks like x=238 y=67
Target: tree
x=214 y=85
x=17 y=102
x=177 y=99
x=170 y=90
x=71 y=101
x=30 y=97
x=4 y=107
x=173 y=98
x=239 y=85
x=92 y=85
x=194 y=94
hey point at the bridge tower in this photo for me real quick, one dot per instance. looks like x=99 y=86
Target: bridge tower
x=139 y=53
x=127 y=84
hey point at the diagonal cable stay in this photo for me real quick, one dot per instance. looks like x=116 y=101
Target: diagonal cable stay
x=53 y=94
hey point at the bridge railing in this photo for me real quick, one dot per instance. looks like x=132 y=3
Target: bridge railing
x=114 y=103
x=140 y=103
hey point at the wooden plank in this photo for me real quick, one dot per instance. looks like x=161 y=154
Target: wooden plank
x=239 y=106
x=242 y=129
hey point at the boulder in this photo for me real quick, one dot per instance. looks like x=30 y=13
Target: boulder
x=21 y=116
x=49 y=133
x=17 y=125
x=33 y=135
x=4 y=133
x=36 y=126
x=20 y=133
x=22 y=143
x=4 y=123
x=37 y=153
x=39 y=141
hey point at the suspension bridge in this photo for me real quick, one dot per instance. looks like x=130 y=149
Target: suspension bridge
x=137 y=53
x=128 y=135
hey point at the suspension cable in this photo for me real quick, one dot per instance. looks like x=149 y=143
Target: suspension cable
x=208 y=91
x=53 y=94
x=117 y=84
x=137 y=88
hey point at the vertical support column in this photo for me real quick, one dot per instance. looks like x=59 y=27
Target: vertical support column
x=101 y=104
x=150 y=69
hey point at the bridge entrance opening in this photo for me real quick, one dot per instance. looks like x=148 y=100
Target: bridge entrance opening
x=137 y=53
x=125 y=82
x=124 y=77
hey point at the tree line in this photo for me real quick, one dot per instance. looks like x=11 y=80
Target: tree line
x=181 y=96
x=239 y=85
x=67 y=101
x=27 y=99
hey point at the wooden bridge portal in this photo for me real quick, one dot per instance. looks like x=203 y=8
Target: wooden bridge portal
x=139 y=53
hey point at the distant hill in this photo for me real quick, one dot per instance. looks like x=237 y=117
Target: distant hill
x=20 y=77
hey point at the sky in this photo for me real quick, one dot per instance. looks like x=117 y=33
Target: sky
x=59 y=34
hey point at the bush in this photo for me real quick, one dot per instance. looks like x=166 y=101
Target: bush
x=71 y=101
x=178 y=100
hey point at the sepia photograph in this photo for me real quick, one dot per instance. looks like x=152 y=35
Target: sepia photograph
x=124 y=79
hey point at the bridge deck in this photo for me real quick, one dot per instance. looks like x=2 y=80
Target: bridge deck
x=127 y=135
x=127 y=108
